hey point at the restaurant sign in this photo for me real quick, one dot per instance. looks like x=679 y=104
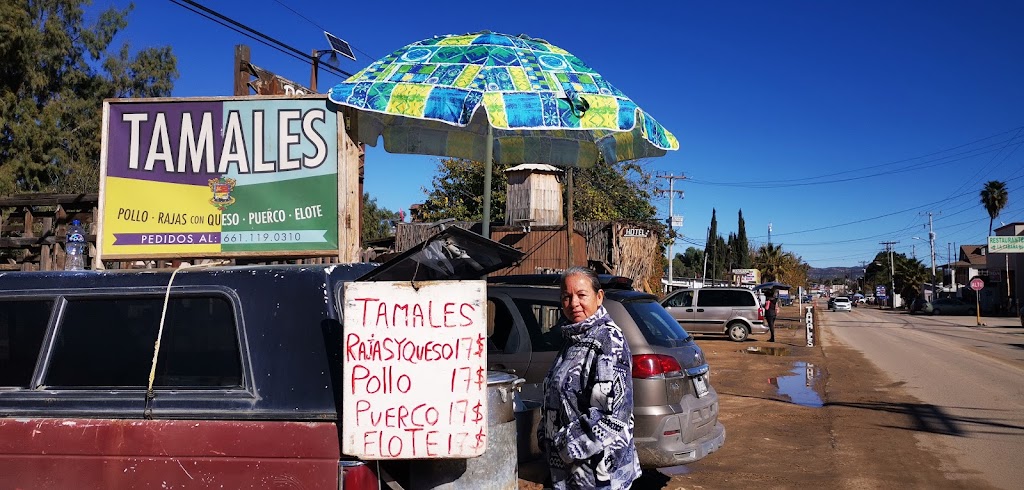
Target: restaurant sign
x=1006 y=244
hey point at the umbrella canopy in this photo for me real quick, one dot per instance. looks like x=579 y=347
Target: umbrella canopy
x=772 y=286
x=541 y=105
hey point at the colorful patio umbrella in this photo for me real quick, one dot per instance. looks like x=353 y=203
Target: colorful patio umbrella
x=541 y=105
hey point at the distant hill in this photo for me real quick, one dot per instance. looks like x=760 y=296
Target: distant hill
x=826 y=273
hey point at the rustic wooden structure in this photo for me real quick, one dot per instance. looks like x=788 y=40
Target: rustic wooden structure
x=631 y=250
x=534 y=196
x=33 y=228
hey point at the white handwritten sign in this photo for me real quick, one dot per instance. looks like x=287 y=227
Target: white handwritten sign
x=415 y=370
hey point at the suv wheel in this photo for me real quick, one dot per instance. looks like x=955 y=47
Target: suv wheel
x=737 y=331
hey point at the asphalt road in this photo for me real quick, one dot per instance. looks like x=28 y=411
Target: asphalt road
x=970 y=379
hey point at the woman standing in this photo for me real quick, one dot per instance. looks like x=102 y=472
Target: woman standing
x=771 y=309
x=587 y=417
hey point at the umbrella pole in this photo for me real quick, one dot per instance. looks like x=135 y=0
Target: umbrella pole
x=489 y=152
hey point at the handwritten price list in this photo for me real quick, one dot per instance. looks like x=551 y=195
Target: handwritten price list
x=415 y=370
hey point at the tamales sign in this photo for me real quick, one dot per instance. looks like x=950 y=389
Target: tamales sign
x=219 y=177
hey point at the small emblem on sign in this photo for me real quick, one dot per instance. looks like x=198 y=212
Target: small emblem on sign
x=221 y=188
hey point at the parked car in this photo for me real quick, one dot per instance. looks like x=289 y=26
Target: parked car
x=841 y=303
x=735 y=312
x=917 y=305
x=247 y=387
x=785 y=300
x=675 y=405
x=948 y=306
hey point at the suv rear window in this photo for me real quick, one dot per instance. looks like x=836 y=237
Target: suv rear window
x=109 y=342
x=725 y=297
x=657 y=325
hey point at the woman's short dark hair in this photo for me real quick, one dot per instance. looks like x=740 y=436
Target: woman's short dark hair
x=581 y=271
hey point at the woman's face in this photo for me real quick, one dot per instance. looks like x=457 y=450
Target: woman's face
x=579 y=300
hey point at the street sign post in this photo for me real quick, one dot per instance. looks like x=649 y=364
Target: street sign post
x=977 y=285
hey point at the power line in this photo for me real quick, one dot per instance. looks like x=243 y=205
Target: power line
x=951 y=158
x=253 y=34
x=982 y=168
x=886 y=215
x=307 y=19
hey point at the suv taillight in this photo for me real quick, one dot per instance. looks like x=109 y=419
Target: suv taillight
x=651 y=365
x=760 y=313
x=356 y=475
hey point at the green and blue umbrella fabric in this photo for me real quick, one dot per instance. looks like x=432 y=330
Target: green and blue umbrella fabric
x=541 y=104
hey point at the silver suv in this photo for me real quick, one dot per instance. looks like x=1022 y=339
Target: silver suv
x=735 y=312
x=675 y=407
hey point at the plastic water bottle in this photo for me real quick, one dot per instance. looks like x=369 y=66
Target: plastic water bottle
x=75 y=246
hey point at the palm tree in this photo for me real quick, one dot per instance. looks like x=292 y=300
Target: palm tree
x=911 y=274
x=770 y=261
x=994 y=197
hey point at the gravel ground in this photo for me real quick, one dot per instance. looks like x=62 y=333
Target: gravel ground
x=803 y=417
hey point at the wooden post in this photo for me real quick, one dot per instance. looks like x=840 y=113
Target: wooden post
x=568 y=218
x=28 y=222
x=46 y=251
x=349 y=204
x=242 y=57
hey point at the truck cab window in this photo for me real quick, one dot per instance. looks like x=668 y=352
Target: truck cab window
x=22 y=328
x=109 y=343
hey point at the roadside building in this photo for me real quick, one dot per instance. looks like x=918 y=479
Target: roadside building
x=1002 y=289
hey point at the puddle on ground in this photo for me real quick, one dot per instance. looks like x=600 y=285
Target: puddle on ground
x=768 y=351
x=804 y=387
x=674 y=470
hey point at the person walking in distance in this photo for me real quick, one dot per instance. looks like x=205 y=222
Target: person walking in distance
x=770 y=312
x=586 y=427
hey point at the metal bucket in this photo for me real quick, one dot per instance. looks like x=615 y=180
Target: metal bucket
x=496 y=468
x=527 y=423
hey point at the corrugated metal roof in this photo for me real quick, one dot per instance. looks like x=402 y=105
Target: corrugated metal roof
x=536 y=167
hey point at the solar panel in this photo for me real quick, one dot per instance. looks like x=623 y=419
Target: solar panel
x=340 y=46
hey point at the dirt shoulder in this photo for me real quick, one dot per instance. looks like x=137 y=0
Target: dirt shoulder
x=807 y=417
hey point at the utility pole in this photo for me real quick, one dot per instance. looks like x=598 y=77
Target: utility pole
x=931 y=241
x=952 y=271
x=862 y=282
x=892 y=271
x=955 y=284
x=671 y=222
x=704 y=274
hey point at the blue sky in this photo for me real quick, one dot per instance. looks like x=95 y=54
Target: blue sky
x=843 y=124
